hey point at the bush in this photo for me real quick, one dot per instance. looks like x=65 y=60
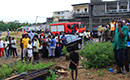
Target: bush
x=64 y=51
x=98 y=55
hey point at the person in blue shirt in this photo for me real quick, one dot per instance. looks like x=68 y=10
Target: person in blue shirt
x=52 y=48
x=63 y=38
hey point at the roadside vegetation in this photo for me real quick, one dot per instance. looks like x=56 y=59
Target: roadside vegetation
x=97 y=55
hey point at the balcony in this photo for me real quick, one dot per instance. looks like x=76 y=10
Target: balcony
x=81 y=14
x=117 y=11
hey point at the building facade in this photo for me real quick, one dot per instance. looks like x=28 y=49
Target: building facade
x=62 y=15
x=101 y=12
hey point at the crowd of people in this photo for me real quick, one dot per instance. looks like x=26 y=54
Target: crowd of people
x=34 y=46
x=46 y=46
x=106 y=32
x=9 y=45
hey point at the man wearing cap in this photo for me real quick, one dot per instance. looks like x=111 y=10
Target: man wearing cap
x=25 y=42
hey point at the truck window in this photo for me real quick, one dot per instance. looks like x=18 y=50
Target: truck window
x=72 y=25
x=60 y=27
x=53 y=28
x=68 y=26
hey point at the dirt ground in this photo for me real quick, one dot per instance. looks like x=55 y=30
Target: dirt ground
x=83 y=74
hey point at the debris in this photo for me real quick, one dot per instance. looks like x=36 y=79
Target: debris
x=91 y=77
x=110 y=70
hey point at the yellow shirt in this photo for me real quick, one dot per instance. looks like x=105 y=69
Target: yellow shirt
x=99 y=28
x=42 y=29
x=87 y=35
x=25 y=42
x=112 y=26
x=38 y=44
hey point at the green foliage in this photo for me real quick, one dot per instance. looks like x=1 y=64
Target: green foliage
x=98 y=55
x=13 y=33
x=98 y=72
x=20 y=67
x=52 y=77
x=64 y=51
x=102 y=72
x=12 y=25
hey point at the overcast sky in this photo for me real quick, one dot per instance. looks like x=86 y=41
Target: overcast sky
x=27 y=10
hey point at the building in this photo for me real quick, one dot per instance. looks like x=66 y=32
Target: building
x=62 y=15
x=98 y=11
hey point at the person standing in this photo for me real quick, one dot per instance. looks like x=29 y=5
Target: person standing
x=59 y=46
x=63 y=38
x=25 y=42
x=103 y=30
x=52 y=48
x=99 y=31
x=119 y=46
x=74 y=62
x=106 y=33
x=0 y=33
x=29 y=47
x=6 y=47
x=8 y=32
x=112 y=29
x=13 y=45
x=35 y=50
x=10 y=48
x=44 y=45
x=1 y=48
x=21 y=45
x=48 y=41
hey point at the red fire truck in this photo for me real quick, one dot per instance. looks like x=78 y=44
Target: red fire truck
x=67 y=27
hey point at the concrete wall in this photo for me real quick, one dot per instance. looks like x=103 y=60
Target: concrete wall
x=82 y=8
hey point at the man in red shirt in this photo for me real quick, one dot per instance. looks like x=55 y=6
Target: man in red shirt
x=45 y=55
x=59 y=46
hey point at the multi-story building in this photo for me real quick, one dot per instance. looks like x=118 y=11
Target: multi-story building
x=98 y=11
x=62 y=15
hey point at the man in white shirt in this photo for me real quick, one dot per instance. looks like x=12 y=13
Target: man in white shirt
x=13 y=42
x=1 y=48
x=6 y=46
x=35 y=50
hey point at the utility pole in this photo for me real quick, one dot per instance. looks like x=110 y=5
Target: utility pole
x=90 y=17
x=38 y=17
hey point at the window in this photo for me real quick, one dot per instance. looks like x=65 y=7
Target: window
x=62 y=12
x=73 y=37
x=68 y=26
x=53 y=28
x=60 y=28
x=78 y=10
x=72 y=25
x=68 y=38
x=85 y=10
x=58 y=12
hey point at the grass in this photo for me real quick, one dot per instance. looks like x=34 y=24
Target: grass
x=18 y=38
x=3 y=38
x=13 y=33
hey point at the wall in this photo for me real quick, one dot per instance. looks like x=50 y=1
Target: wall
x=82 y=7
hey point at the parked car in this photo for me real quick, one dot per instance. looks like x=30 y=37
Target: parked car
x=73 y=40
x=95 y=32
